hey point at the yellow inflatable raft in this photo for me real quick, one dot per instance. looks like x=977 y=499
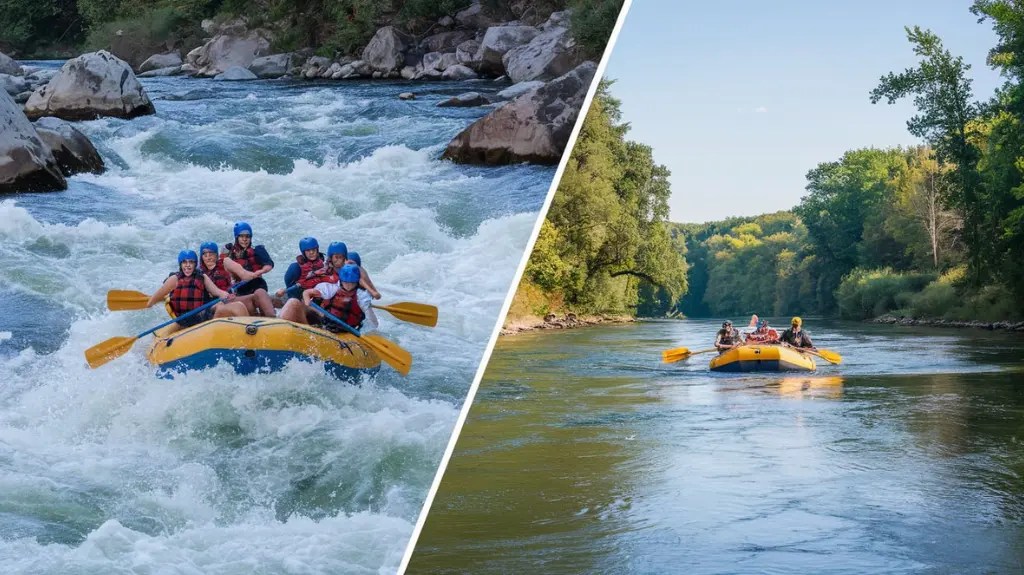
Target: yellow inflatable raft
x=763 y=358
x=256 y=344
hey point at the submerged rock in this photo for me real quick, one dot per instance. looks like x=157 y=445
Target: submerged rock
x=235 y=73
x=161 y=72
x=535 y=127
x=26 y=163
x=91 y=86
x=467 y=100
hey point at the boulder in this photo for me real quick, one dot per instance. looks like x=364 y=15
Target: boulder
x=497 y=41
x=446 y=22
x=315 y=66
x=158 y=61
x=171 y=71
x=561 y=19
x=475 y=17
x=335 y=68
x=362 y=68
x=225 y=50
x=40 y=76
x=88 y=87
x=193 y=56
x=535 y=127
x=432 y=61
x=428 y=75
x=235 y=73
x=386 y=51
x=71 y=149
x=466 y=52
x=26 y=163
x=273 y=66
x=458 y=72
x=467 y=100
x=408 y=72
x=9 y=66
x=13 y=85
x=549 y=55
x=23 y=97
x=407 y=96
x=513 y=92
x=448 y=60
x=445 y=41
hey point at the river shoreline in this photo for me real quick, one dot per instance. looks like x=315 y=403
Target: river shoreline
x=568 y=321
x=924 y=322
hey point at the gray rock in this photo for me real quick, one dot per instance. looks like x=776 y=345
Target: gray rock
x=88 y=87
x=466 y=53
x=474 y=17
x=386 y=51
x=428 y=75
x=377 y=74
x=170 y=71
x=193 y=56
x=561 y=19
x=208 y=26
x=445 y=41
x=448 y=60
x=407 y=96
x=467 y=100
x=446 y=21
x=273 y=66
x=408 y=72
x=40 y=76
x=71 y=149
x=535 y=127
x=26 y=164
x=315 y=66
x=458 y=72
x=23 y=97
x=334 y=72
x=224 y=51
x=549 y=55
x=497 y=41
x=362 y=68
x=432 y=61
x=159 y=61
x=235 y=74
x=9 y=66
x=13 y=85
x=513 y=92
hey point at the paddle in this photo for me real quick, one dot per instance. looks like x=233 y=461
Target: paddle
x=125 y=300
x=418 y=313
x=828 y=355
x=681 y=353
x=390 y=352
x=115 y=347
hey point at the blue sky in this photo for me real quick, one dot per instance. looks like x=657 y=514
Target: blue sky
x=740 y=98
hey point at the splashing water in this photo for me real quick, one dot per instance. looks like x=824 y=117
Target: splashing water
x=211 y=472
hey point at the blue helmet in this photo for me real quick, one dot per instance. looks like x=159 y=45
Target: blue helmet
x=209 y=246
x=762 y=324
x=350 y=274
x=242 y=227
x=355 y=257
x=184 y=255
x=308 y=244
x=337 y=248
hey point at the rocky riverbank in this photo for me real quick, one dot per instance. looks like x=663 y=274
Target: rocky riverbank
x=923 y=322
x=567 y=321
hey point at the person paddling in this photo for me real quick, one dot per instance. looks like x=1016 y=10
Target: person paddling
x=364 y=278
x=343 y=300
x=312 y=268
x=727 y=337
x=251 y=259
x=190 y=288
x=795 y=336
x=763 y=335
x=221 y=269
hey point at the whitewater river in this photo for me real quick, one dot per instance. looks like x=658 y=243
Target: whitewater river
x=584 y=454
x=113 y=470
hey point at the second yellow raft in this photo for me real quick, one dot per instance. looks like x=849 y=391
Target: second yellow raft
x=763 y=358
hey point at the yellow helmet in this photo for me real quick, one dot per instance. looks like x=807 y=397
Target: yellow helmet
x=797 y=321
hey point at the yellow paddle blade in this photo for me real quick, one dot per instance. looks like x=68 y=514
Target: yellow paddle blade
x=113 y=348
x=830 y=356
x=390 y=352
x=418 y=313
x=672 y=355
x=122 y=300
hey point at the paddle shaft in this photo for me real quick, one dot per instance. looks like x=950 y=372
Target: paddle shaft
x=329 y=316
x=206 y=305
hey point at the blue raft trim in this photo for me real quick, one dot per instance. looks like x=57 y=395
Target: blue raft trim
x=247 y=362
x=759 y=365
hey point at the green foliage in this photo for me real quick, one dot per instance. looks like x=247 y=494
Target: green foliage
x=605 y=245
x=866 y=294
x=592 y=24
x=25 y=26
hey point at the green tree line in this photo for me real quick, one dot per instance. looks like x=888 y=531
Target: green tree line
x=930 y=231
x=605 y=245
x=330 y=26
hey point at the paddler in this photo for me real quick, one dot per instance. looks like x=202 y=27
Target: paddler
x=344 y=300
x=763 y=335
x=221 y=269
x=252 y=259
x=796 y=336
x=364 y=278
x=312 y=268
x=727 y=337
x=190 y=288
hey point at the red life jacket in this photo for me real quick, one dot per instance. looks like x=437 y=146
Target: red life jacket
x=344 y=305
x=770 y=336
x=189 y=294
x=312 y=272
x=220 y=276
x=245 y=258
